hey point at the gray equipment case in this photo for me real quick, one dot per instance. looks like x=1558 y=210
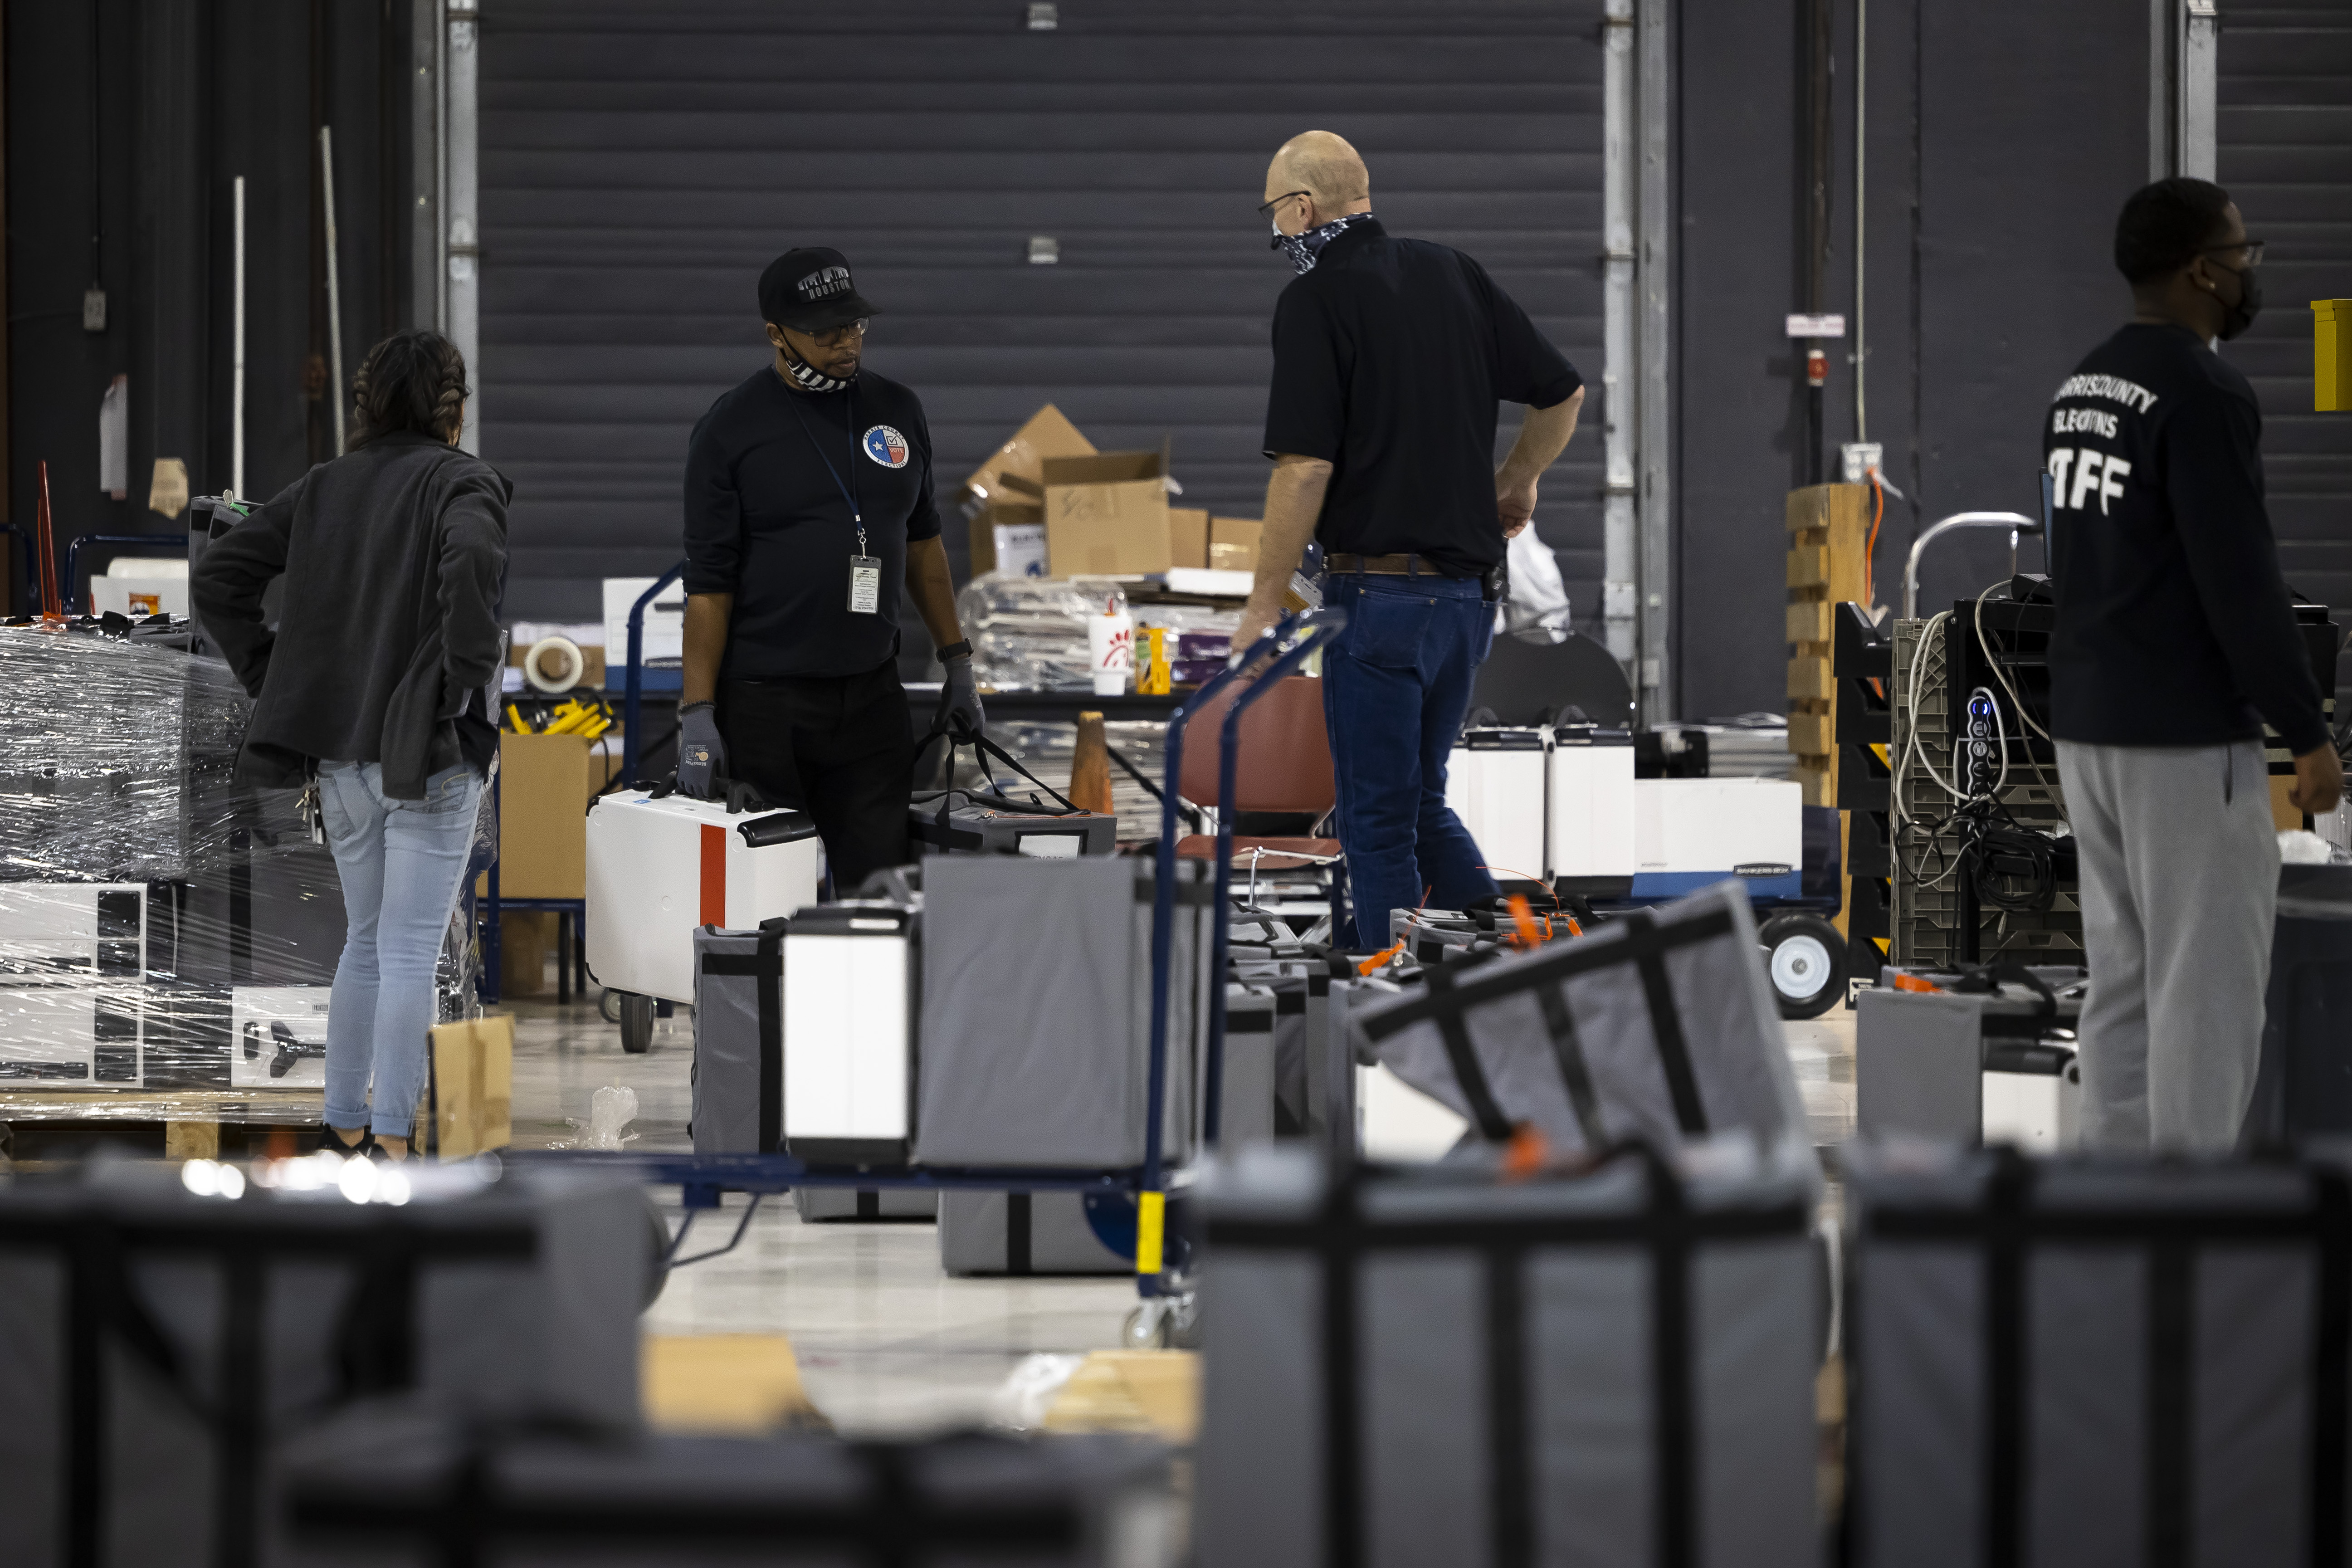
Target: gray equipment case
x=819 y=1205
x=1036 y=1011
x=403 y=1485
x=1021 y=1234
x=1660 y=1025
x=1921 y=1057
x=1431 y=1366
x=163 y=1350
x=2085 y=1361
x=739 y=1040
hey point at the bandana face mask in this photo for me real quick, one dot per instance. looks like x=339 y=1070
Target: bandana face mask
x=1305 y=250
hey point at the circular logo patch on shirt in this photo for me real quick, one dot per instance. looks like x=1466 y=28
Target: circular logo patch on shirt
x=886 y=446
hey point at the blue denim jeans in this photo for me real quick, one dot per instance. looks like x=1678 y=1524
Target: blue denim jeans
x=1395 y=688
x=402 y=863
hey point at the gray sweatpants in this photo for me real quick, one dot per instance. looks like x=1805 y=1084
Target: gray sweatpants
x=2179 y=882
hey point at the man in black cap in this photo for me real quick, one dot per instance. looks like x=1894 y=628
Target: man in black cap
x=808 y=501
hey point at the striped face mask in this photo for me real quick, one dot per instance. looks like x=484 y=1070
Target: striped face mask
x=1304 y=248
x=808 y=375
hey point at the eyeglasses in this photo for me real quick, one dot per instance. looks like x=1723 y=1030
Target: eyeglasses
x=2253 y=247
x=1266 y=209
x=833 y=337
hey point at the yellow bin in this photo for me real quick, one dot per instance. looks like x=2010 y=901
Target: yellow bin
x=2328 y=391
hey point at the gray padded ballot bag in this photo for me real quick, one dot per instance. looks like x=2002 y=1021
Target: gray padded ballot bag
x=739 y=1040
x=2094 y=1362
x=401 y=1485
x=163 y=1353
x=1425 y=1365
x=1660 y=1025
x=1036 y=1011
x=1021 y=1234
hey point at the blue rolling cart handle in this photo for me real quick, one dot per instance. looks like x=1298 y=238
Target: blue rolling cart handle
x=1319 y=626
x=630 y=739
x=153 y=543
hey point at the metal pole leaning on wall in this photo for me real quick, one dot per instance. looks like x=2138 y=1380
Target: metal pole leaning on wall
x=237 y=340
x=1619 y=139
x=464 y=316
x=334 y=280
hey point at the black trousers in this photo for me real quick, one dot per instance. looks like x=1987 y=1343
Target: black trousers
x=836 y=747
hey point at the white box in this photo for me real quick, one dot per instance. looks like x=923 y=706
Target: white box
x=1590 y=826
x=664 y=625
x=1396 y=1123
x=1495 y=781
x=659 y=868
x=2037 y=1105
x=278 y=1036
x=60 y=1034
x=1690 y=834
x=72 y=933
x=849 y=980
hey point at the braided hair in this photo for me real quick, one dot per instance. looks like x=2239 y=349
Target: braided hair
x=413 y=381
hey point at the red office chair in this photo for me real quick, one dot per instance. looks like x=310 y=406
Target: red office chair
x=1285 y=765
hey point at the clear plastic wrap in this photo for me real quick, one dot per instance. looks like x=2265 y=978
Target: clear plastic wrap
x=167 y=938
x=1029 y=633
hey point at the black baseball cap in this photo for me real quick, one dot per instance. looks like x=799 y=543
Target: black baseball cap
x=811 y=290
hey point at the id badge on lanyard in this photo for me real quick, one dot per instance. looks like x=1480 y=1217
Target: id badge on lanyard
x=864 y=570
x=865 y=581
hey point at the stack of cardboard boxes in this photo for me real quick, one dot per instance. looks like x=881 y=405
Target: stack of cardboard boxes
x=1047 y=504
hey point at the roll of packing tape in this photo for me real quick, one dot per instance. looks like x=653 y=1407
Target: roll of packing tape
x=553 y=665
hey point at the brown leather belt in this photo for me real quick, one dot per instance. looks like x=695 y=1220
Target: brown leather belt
x=1384 y=565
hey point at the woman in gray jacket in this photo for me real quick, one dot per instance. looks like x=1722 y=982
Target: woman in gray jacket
x=394 y=557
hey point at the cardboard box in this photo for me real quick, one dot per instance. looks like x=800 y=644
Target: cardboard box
x=1009 y=536
x=1046 y=434
x=1232 y=543
x=1107 y=516
x=545 y=783
x=469 y=1088
x=1188 y=537
x=526 y=941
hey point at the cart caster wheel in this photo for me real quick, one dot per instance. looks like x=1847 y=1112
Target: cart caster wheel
x=608 y=1005
x=1806 y=959
x=636 y=1023
x=1146 y=1328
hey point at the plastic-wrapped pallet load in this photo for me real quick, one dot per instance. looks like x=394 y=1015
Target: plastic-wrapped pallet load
x=167 y=1346
x=2095 y=1362
x=1439 y=1366
x=402 y=1484
x=167 y=937
x=1659 y=1024
x=1036 y=1011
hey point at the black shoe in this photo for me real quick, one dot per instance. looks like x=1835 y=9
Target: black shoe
x=331 y=1140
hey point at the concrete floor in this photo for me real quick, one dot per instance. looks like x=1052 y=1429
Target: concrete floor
x=886 y=1342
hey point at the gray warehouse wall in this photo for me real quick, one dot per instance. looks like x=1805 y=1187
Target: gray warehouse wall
x=2002 y=138
x=641 y=164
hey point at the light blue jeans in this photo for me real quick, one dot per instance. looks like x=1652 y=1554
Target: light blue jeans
x=402 y=863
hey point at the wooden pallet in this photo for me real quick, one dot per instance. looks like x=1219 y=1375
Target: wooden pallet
x=191 y=1119
x=1829 y=536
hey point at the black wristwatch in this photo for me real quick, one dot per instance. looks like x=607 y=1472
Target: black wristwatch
x=956 y=651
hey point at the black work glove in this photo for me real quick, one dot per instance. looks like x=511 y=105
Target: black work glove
x=701 y=754
x=959 y=711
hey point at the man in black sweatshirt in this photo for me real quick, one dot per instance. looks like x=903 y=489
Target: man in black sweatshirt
x=2176 y=638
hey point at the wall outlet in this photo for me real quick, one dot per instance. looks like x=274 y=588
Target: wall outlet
x=93 y=311
x=1861 y=457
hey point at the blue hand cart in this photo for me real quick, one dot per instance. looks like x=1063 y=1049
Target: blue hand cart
x=1128 y=1208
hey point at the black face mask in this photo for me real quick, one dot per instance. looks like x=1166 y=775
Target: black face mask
x=2249 y=301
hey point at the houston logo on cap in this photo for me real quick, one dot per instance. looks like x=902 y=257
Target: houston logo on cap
x=825 y=282
x=886 y=446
